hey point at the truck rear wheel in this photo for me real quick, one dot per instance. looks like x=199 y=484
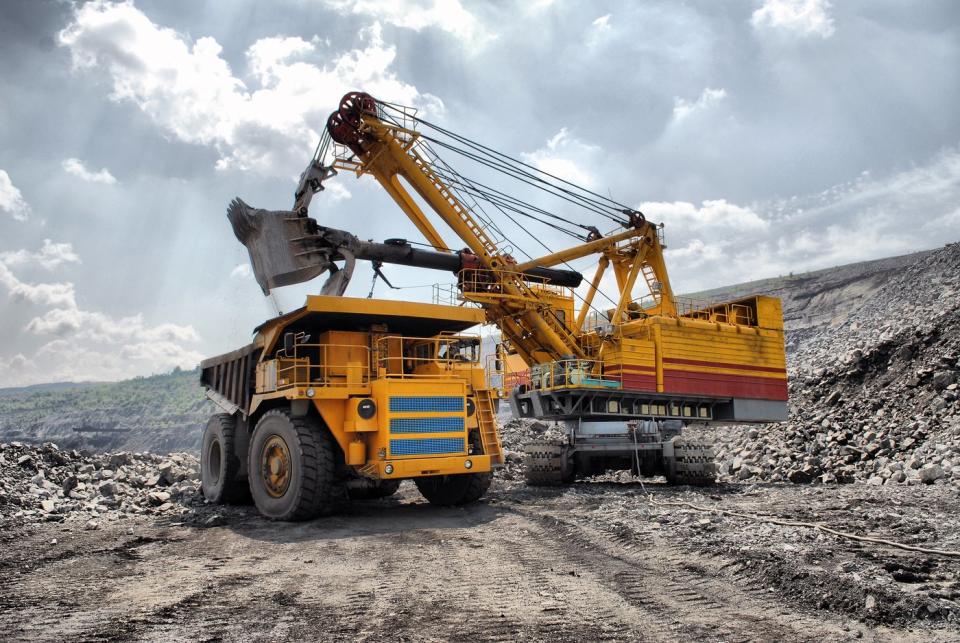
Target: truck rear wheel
x=292 y=468
x=220 y=463
x=459 y=489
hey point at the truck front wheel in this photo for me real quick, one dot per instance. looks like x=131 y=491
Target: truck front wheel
x=459 y=489
x=292 y=468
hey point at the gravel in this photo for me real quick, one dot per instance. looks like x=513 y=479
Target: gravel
x=45 y=483
x=873 y=399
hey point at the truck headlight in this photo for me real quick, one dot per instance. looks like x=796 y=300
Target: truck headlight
x=388 y=469
x=468 y=464
x=366 y=408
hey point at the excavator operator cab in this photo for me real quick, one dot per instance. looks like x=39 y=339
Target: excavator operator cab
x=422 y=356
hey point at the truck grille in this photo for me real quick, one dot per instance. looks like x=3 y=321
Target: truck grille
x=427 y=446
x=426 y=404
x=427 y=425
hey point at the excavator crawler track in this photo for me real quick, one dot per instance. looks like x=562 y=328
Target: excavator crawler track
x=693 y=463
x=547 y=464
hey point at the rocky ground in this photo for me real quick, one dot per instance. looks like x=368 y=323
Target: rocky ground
x=873 y=398
x=122 y=546
x=47 y=484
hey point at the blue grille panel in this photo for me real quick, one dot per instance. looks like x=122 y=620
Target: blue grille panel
x=427 y=404
x=427 y=446
x=426 y=425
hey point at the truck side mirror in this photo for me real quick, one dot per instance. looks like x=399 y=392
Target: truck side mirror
x=288 y=343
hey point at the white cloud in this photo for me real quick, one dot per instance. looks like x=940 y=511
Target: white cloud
x=603 y=22
x=63 y=360
x=90 y=344
x=50 y=256
x=709 y=98
x=446 y=15
x=536 y=6
x=77 y=168
x=99 y=327
x=241 y=271
x=188 y=89
x=95 y=346
x=11 y=200
x=269 y=57
x=47 y=294
x=599 y=32
x=867 y=218
x=565 y=156
x=696 y=252
x=800 y=17
x=712 y=214
x=336 y=191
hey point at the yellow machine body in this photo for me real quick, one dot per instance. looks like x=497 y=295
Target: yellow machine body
x=400 y=389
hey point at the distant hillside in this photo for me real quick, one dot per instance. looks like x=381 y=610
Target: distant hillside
x=38 y=388
x=823 y=297
x=160 y=413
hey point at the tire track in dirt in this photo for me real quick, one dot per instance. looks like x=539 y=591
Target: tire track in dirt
x=695 y=605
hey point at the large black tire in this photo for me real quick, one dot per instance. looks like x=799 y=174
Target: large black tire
x=547 y=463
x=220 y=463
x=453 y=490
x=302 y=484
x=375 y=490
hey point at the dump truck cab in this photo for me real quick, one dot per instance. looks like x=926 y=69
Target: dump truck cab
x=346 y=397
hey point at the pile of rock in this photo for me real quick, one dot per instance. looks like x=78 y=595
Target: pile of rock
x=47 y=483
x=875 y=399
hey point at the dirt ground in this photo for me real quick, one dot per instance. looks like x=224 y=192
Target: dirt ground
x=594 y=561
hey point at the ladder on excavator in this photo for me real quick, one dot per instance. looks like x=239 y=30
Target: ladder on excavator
x=487 y=419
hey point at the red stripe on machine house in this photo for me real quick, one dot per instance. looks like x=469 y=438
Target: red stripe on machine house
x=724 y=385
x=636 y=382
x=743 y=367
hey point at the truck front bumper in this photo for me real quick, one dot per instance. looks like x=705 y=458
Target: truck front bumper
x=441 y=466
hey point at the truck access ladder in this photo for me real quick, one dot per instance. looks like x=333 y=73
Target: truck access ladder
x=487 y=419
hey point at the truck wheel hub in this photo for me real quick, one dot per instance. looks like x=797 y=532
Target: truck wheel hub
x=275 y=466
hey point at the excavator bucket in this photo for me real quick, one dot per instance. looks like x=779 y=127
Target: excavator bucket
x=278 y=241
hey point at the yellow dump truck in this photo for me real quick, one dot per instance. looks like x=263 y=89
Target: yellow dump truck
x=344 y=398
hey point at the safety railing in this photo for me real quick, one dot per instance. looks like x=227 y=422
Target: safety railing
x=450 y=295
x=484 y=281
x=321 y=365
x=689 y=307
x=400 y=356
x=726 y=313
x=501 y=380
x=572 y=373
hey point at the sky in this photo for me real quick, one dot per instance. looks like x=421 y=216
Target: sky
x=768 y=136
